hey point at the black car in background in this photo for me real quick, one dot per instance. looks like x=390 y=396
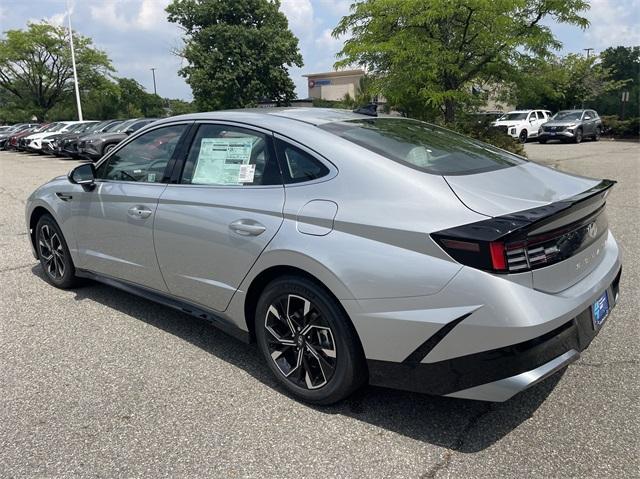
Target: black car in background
x=69 y=145
x=93 y=147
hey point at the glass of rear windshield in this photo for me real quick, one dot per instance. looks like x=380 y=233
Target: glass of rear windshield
x=423 y=146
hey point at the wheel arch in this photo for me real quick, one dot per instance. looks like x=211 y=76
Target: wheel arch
x=37 y=213
x=266 y=276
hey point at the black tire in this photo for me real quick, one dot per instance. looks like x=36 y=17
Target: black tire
x=54 y=254
x=331 y=341
x=542 y=141
x=108 y=148
x=597 y=134
x=577 y=138
x=523 y=136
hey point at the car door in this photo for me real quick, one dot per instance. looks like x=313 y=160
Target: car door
x=589 y=122
x=224 y=209
x=114 y=230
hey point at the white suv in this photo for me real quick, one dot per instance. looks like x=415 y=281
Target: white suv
x=522 y=124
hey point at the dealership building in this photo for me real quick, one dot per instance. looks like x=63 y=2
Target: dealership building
x=333 y=86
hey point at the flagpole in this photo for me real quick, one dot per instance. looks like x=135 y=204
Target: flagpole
x=73 y=63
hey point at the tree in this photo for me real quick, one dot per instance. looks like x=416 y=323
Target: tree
x=35 y=65
x=135 y=101
x=557 y=83
x=624 y=64
x=426 y=55
x=238 y=51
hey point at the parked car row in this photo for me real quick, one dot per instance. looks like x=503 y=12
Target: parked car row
x=79 y=139
x=566 y=125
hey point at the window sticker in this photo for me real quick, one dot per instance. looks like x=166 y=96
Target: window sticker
x=224 y=161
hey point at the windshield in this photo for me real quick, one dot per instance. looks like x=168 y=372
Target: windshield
x=423 y=146
x=568 y=115
x=56 y=127
x=513 y=116
x=113 y=127
x=124 y=126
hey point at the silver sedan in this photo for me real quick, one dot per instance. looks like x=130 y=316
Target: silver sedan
x=353 y=248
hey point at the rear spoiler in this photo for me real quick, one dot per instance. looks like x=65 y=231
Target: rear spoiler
x=515 y=226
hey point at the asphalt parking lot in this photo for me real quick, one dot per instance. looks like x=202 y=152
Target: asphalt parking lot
x=98 y=383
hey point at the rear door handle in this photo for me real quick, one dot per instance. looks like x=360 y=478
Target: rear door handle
x=139 y=212
x=247 y=227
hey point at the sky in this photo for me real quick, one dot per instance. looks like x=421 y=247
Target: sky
x=136 y=35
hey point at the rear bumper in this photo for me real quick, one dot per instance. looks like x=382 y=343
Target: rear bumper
x=496 y=374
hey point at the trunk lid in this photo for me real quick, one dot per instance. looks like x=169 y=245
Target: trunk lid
x=518 y=188
x=559 y=220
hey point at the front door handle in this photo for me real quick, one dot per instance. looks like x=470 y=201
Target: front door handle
x=247 y=227
x=139 y=212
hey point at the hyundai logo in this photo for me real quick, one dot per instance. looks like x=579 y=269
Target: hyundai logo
x=592 y=230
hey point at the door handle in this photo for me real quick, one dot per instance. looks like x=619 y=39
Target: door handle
x=139 y=212
x=247 y=227
x=64 y=196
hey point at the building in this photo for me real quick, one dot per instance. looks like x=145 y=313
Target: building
x=333 y=86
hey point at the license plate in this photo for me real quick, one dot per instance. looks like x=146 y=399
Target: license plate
x=552 y=133
x=600 y=310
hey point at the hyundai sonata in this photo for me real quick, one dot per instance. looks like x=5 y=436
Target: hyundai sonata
x=350 y=247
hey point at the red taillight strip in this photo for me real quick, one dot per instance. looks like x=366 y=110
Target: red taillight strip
x=498 y=261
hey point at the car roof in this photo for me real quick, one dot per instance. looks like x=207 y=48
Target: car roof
x=267 y=116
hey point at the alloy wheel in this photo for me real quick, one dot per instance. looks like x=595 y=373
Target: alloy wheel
x=51 y=252
x=300 y=341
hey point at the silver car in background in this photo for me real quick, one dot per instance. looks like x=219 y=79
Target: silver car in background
x=571 y=125
x=353 y=248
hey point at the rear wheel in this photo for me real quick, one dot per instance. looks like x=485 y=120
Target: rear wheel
x=523 y=136
x=597 y=134
x=54 y=254
x=308 y=342
x=108 y=148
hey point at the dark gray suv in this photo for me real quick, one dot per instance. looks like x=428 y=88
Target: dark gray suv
x=571 y=125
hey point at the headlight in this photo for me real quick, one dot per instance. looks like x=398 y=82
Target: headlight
x=513 y=131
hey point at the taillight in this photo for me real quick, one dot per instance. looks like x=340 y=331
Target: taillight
x=486 y=255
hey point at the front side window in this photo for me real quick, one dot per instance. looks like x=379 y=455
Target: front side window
x=145 y=158
x=540 y=115
x=223 y=155
x=423 y=146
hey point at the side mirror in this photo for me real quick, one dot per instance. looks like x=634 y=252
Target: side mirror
x=84 y=174
x=129 y=131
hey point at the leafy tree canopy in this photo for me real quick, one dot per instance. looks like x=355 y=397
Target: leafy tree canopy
x=425 y=54
x=36 y=70
x=237 y=51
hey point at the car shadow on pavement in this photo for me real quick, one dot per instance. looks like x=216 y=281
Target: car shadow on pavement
x=462 y=425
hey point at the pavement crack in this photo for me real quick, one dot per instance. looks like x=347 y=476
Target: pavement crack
x=13 y=268
x=458 y=442
x=603 y=364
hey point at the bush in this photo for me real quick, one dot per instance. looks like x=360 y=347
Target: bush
x=616 y=128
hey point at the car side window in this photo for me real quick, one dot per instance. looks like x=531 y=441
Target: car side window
x=223 y=155
x=298 y=165
x=145 y=158
x=540 y=115
x=532 y=116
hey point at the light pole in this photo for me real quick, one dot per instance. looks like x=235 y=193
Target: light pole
x=73 y=63
x=153 y=72
x=588 y=50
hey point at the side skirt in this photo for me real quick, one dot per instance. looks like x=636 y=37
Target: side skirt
x=175 y=303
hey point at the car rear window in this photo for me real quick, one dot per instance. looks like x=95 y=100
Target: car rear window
x=423 y=146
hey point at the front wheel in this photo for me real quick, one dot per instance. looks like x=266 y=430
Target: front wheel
x=308 y=341
x=577 y=138
x=108 y=148
x=523 y=136
x=54 y=254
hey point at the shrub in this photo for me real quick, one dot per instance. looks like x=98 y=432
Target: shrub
x=616 y=128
